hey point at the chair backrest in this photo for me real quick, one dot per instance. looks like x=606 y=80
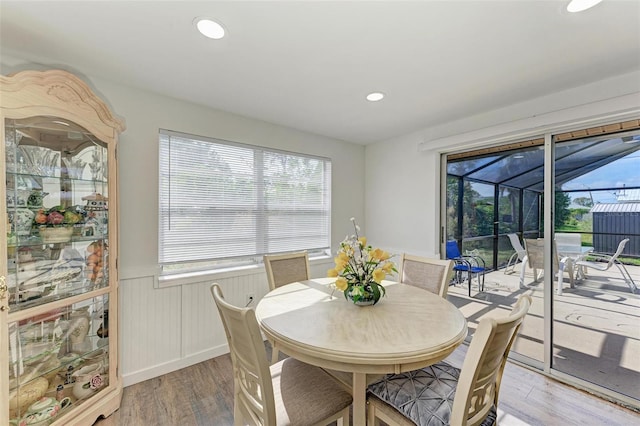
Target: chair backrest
x=253 y=389
x=430 y=274
x=481 y=373
x=618 y=252
x=566 y=242
x=452 y=250
x=517 y=245
x=535 y=252
x=286 y=268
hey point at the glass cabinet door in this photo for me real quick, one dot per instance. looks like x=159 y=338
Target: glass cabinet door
x=57 y=360
x=57 y=211
x=57 y=245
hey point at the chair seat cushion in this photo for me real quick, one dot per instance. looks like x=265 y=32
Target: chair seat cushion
x=424 y=396
x=304 y=394
x=474 y=269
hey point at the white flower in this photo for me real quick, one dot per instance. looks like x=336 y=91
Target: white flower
x=357 y=291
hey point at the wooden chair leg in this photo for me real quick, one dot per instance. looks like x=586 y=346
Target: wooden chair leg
x=372 y=420
x=274 y=353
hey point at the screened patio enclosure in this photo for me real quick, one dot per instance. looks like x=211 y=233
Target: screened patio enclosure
x=496 y=191
x=582 y=328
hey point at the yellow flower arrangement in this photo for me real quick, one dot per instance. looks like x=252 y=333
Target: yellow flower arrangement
x=360 y=269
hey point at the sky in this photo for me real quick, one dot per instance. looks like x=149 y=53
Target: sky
x=624 y=172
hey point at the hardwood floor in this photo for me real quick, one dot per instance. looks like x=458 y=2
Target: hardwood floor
x=203 y=395
x=198 y=395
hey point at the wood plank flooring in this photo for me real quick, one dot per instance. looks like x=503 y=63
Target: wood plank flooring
x=202 y=395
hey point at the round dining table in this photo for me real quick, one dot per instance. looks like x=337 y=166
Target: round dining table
x=409 y=328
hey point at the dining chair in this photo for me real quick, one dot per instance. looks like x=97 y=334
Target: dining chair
x=535 y=259
x=430 y=274
x=283 y=269
x=519 y=254
x=603 y=261
x=286 y=268
x=289 y=392
x=442 y=394
x=466 y=264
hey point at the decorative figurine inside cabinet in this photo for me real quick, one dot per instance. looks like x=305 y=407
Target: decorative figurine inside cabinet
x=96 y=212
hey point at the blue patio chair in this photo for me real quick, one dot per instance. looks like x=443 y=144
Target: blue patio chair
x=466 y=264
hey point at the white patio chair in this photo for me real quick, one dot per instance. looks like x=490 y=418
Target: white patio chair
x=602 y=262
x=535 y=259
x=519 y=255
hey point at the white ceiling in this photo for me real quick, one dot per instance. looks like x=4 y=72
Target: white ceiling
x=308 y=65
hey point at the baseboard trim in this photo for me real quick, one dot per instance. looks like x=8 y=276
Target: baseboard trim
x=171 y=366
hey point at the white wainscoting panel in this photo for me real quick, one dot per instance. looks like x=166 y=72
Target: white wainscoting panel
x=166 y=329
x=149 y=326
x=202 y=328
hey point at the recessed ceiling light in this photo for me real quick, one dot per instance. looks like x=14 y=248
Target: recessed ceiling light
x=580 y=5
x=209 y=28
x=375 y=96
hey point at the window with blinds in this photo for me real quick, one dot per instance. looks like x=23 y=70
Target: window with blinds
x=224 y=204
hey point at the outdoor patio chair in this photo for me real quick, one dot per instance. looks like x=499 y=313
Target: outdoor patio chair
x=535 y=259
x=466 y=264
x=519 y=255
x=443 y=394
x=603 y=261
x=569 y=243
x=430 y=274
x=289 y=392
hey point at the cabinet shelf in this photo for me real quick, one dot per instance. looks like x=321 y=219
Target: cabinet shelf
x=37 y=241
x=29 y=176
x=26 y=299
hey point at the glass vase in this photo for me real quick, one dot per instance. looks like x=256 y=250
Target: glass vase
x=366 y=299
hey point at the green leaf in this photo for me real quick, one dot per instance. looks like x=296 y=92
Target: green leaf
x=375 y=289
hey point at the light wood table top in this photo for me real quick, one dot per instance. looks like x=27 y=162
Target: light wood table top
x=407 y=329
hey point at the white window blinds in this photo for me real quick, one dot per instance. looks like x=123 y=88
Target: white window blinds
x=224 y=201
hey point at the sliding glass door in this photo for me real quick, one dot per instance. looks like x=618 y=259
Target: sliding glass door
x=581 y=197
x=596 y=335
x=492 y=198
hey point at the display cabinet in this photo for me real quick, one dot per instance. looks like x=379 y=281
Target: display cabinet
x=59 y=252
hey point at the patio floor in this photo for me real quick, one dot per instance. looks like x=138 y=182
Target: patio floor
x=596 y=328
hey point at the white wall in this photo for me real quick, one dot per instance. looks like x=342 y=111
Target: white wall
x=403 y=174
x=169 y=328
x=163 y=329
